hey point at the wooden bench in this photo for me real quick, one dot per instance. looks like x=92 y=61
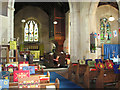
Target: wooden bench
x=43 y=85
x=106 y=78
x=76 y=72
x=14 y=84
x=90 y=74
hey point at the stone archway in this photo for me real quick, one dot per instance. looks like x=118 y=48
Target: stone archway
x=83 y=22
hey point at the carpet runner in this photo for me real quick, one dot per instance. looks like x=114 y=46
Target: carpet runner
x=64 y=83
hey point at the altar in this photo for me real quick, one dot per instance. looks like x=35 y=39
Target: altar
x=116 y=60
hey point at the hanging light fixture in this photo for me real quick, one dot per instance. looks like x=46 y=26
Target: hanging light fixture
x=111 y=18
x=55 y=22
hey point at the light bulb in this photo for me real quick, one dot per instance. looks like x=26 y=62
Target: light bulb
x=23 y=20
x=111 y=18
x=55 y=22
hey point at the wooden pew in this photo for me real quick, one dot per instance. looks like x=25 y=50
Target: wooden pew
x=106 y=78
x=51 y=85
x=88 y=76
x=14 y=84
x=72 y=71
x=76 y=72
x=80 y=71
x=43 y=85
x=91 y=74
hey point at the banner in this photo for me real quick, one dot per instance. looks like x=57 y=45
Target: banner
x=115 y=33
x=13 y=45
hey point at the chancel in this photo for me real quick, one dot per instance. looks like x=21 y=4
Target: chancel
x=61 y=44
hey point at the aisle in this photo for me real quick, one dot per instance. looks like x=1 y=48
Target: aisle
x=64 y=83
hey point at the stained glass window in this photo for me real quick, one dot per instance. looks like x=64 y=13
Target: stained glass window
x=31 y=31
x=105 y=31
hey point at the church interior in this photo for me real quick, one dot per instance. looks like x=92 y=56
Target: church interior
x=60 y=44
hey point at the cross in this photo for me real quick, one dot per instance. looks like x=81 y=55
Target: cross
x=113 y=53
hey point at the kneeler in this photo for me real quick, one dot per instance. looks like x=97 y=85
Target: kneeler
x=20 y=74
x=4 y=84
x=29 y=82
x=30 y=68
x=81 y=62
x=20 y=66
x=44 y=78
x=11 y=67
x=99 y=66
x=34 y=82
x=109 y=64
x=23 y=62
x=98 y=61
x=91 y=65
x=36 y=67
x=4 y=75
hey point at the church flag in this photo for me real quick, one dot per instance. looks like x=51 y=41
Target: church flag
x=115 y=33
x=119 y=30
x=98 y=36
x=95 y=35
x=0 y=67
x=101 y=36
x=13 y=45
x=110 y=35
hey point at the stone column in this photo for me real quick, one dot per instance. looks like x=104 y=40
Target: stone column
x=11 y=23
x=0 y=21
x=11 y=20
x=80 y=17
x=74 y=30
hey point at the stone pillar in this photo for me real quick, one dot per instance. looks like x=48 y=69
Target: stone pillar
x=10 y=20
x=0 y=21
x=74 y=30
x=80 y=17
x=11 y=23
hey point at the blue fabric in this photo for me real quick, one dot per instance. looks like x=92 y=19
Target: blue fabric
x=108 y=50
x=64 y=83
x=116 y=68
